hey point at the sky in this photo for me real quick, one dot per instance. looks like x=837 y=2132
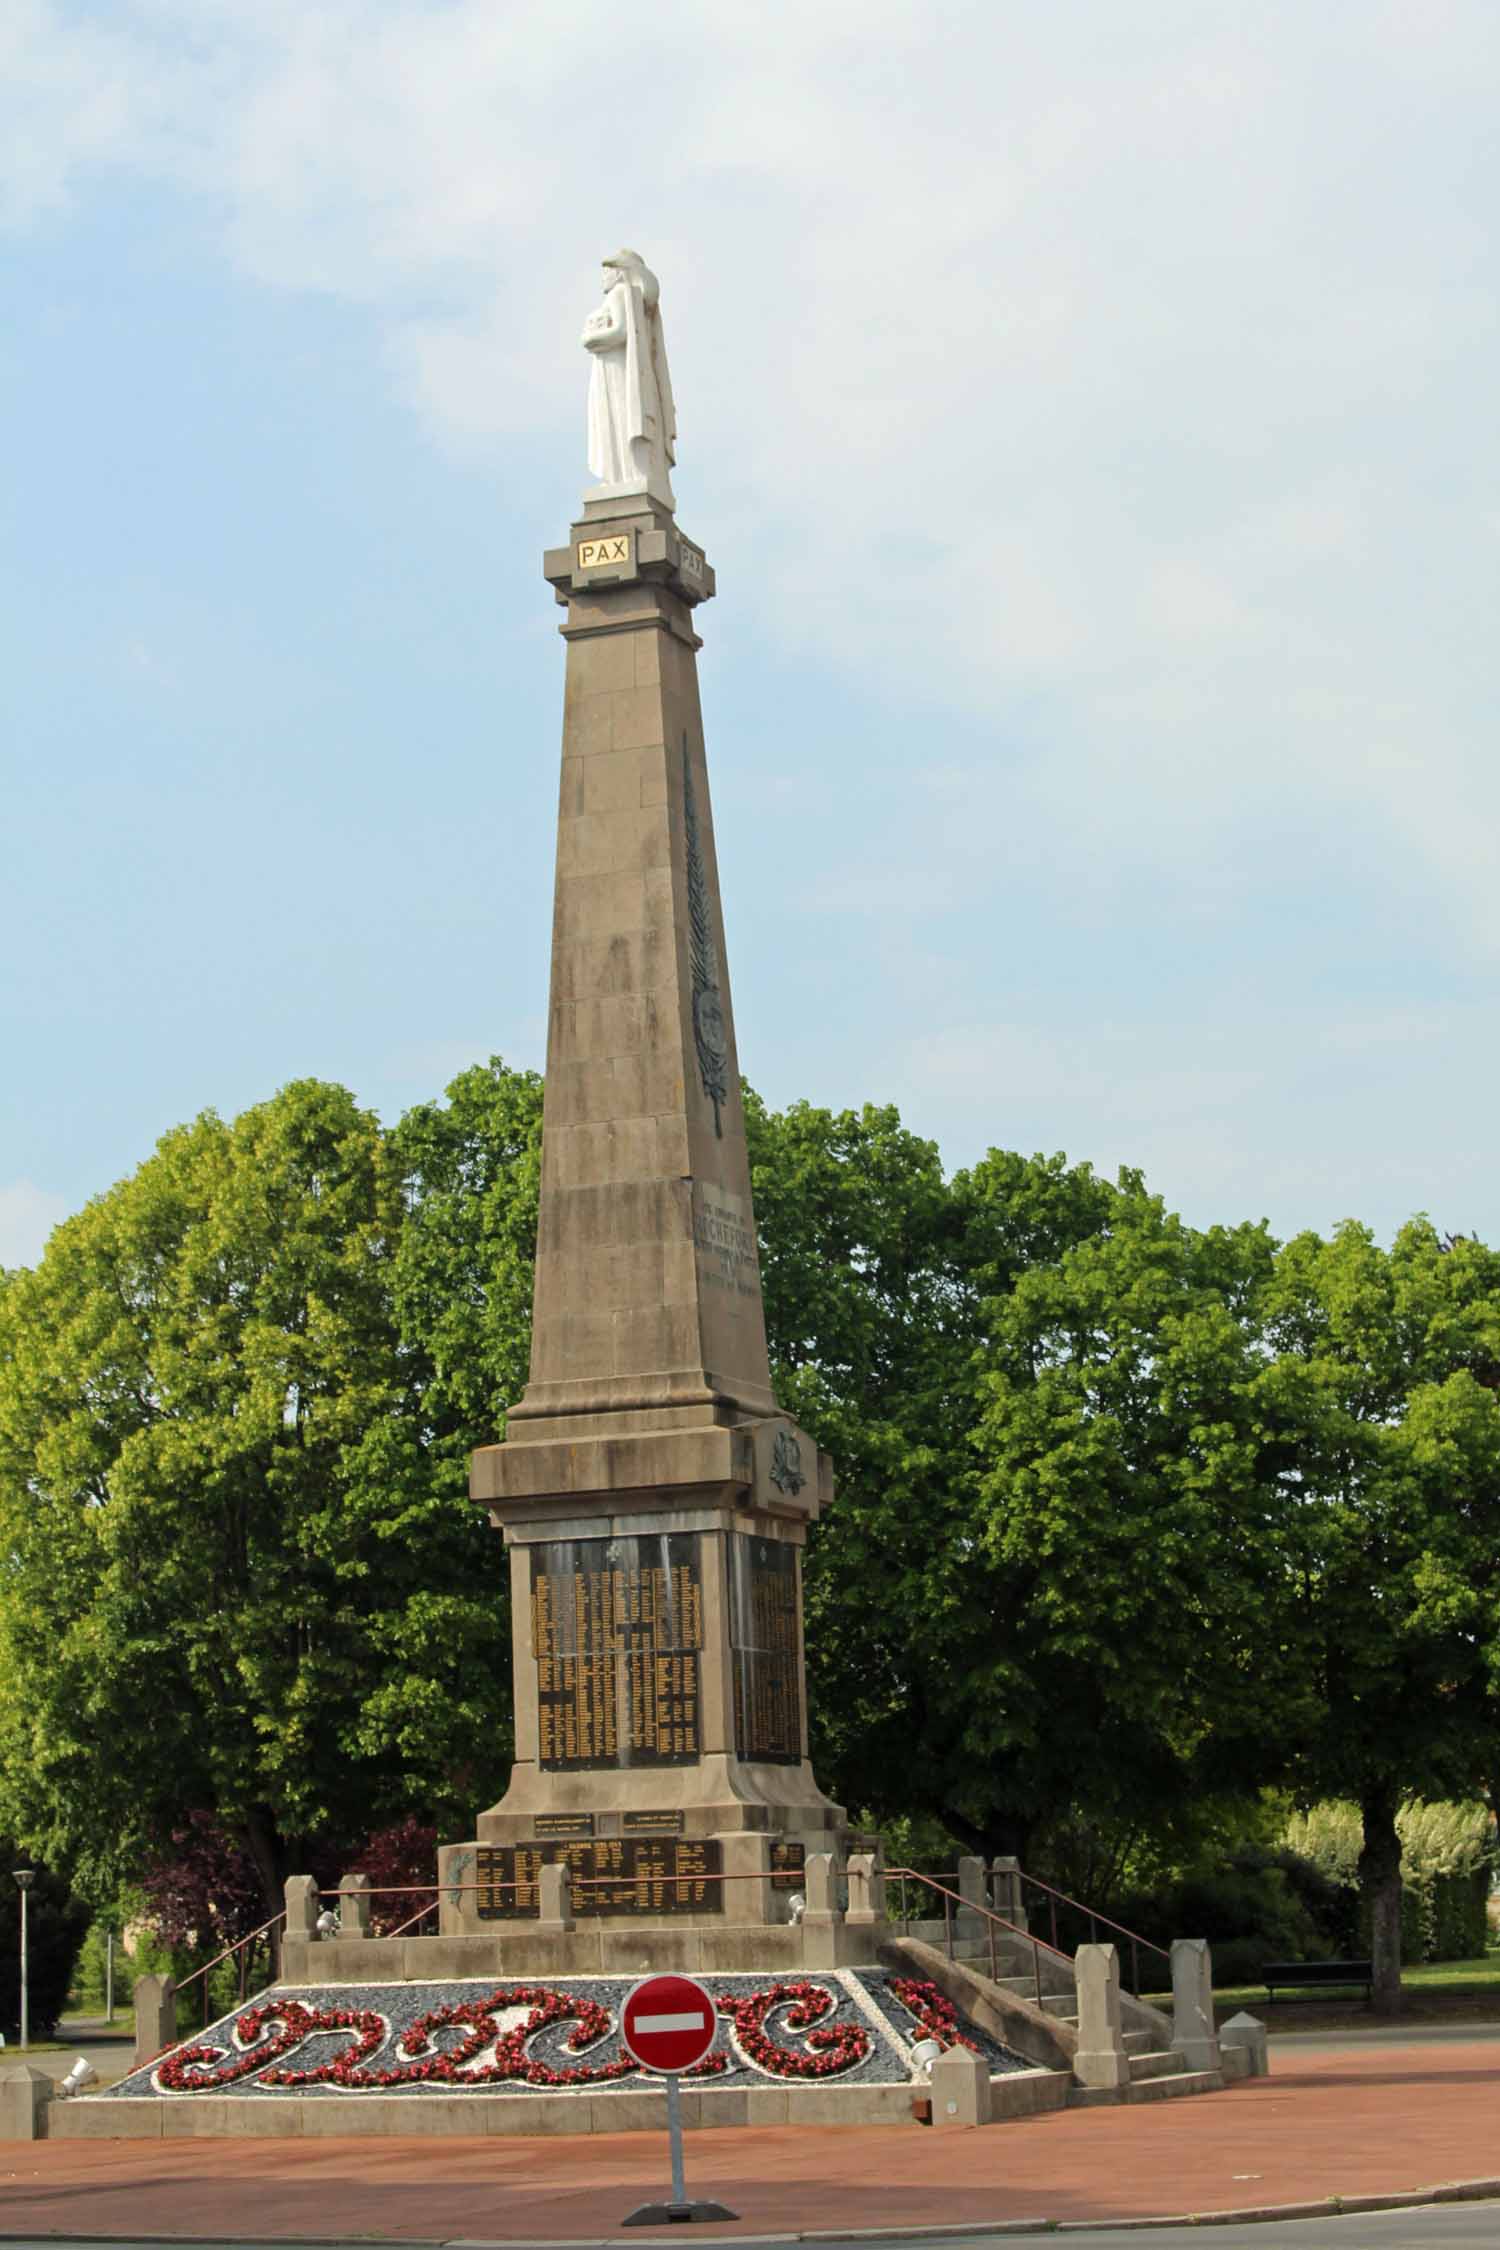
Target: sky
x=1089 y=410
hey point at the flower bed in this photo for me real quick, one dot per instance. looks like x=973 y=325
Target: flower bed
x=843 y=2026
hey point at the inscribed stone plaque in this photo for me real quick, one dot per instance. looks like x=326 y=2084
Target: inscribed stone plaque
x=764 y=1651
x=634 y=1874
x=616 y=1626
x=653 y=1823
x=565 y=1824
x=724 y=1240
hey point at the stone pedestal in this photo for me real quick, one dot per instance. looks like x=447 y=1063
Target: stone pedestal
x=653 y=1498
x=1193 y=2004
x=1101 y=2059
x=26 y=2095
x=155 y=2016
x=960 y=2088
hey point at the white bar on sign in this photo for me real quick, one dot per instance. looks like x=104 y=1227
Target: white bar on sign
x=668 y=2023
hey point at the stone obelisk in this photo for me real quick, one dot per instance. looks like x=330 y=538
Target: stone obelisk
x=653 y=1498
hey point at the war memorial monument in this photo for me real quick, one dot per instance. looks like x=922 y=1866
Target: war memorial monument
x=661 y=1811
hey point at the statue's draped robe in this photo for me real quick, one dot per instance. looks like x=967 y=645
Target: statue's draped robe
x=630 y=394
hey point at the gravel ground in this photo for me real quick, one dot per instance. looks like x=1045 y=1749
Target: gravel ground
x=861 y=1998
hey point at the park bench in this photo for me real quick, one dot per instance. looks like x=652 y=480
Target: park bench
x=1302 y=1976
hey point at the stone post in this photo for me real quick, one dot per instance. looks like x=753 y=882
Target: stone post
x=960 y=2088
x=823 y=1918
x=555 y=1893
x=25 y=2096
x=1248 y=2034
x=301 y=1907
x=1006 y=1892
x=155 y=2016
x=354 y=1906
x=1101 y=2059
x=749 y=1896
x=1193 y=2004
x=974 y=1892
x=866 y=1890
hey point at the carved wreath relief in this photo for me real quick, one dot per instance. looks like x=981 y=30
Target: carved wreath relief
x=710 y=1035
x=786 y=1464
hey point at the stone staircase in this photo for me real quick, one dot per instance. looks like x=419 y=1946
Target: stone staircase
x=1158 y=2070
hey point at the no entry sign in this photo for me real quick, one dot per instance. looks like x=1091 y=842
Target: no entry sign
x=667 y=2023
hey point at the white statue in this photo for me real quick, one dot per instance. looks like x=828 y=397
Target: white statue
x=632 y=421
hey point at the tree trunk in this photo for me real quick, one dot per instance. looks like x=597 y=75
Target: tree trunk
x=264 y=1844
x=1380 y=1889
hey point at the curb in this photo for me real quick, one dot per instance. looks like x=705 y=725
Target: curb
x=1322 y=2207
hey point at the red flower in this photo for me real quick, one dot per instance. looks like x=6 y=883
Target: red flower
x=936 y=2016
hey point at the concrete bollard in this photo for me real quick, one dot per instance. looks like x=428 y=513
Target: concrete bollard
x=555 y=1895
x=1248 y=2034
x=354 y=1906
x=823 y=1920
x=1006 y=1893
x=25 y=2096
x=302 y=1908
x=974 y=1892
x=1101 y=2059
x=866 y=1890
x=155 y=2017
x=1193 y=2004
x=960 y=2088
x=748 y=1892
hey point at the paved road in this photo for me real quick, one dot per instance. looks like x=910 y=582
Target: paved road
x=1454 y=2226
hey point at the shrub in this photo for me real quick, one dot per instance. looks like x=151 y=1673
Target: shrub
x=1252 y=1909
x=1447 y=1854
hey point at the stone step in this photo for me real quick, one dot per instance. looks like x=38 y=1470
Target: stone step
x=1156 y=2065
x=1167 y=2089
x=1180 y=2082
x=1137 y=2042
x=1061 y=2004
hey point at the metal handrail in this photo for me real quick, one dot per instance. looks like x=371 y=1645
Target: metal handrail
x=241 y=1947
x=992 y=1921
x=1094 y=1920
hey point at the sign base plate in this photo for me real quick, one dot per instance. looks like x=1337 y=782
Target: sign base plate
x=676 y=2214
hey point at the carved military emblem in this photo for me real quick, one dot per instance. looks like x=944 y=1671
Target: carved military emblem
x=786 y=1464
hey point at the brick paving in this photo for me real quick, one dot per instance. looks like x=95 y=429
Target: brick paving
x=1352 y=2122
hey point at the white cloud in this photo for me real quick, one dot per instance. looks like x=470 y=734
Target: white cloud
x=1121 y=377
x=27 y=1216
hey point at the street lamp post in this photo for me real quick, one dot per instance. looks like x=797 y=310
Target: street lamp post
x=25 y=1877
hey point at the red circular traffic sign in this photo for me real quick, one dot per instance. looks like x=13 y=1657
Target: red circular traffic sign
x=668 y=2023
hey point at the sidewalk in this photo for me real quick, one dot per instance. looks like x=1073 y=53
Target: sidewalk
x=1360 y=2122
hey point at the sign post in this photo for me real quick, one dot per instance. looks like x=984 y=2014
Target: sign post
x=667 y=2025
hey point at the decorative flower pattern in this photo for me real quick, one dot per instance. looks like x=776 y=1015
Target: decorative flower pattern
x=789 y=2029
x=830 y=2047
x=936 y=2015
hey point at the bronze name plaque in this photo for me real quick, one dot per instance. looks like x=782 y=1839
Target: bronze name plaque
x=788 y=1863
x=617 y=1626
x=764 y=1649
x=653 y=1823
x=611 y=1875
x=565 y=1824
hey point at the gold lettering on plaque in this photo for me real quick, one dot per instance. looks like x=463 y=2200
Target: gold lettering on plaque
x=604 y=554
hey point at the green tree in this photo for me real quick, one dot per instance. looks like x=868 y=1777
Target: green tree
x=1034 y=1587
x=1125 y=1494
x=56 y=1925
x=469 y=1168
x=1389 y=1560
x=210 y=1597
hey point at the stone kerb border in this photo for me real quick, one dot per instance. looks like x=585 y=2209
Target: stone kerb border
x=1026 y=2093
